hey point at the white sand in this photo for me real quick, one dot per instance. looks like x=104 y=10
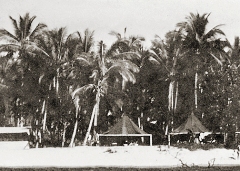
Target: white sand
x=130 y=156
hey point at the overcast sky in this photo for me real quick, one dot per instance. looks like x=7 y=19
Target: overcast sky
x=141 y=17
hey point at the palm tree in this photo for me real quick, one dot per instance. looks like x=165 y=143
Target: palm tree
x=52 y=42
x=81 y=59
x=165 y=55
x=22 y=42
x=109 y=69
x=68 y=53
x=132 y=43
x=202 y=46
x=23 y=39
x=85 y=41
x=231 y=78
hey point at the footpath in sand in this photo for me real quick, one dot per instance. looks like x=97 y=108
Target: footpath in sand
x=129 y=156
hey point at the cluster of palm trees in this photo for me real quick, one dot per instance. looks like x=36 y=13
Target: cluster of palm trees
x=59 y=85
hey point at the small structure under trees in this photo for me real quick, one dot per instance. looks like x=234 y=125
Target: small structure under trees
x=124 y=130
x=14 y=137
x=191 y=125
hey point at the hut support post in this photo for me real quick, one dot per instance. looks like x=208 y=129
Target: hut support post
x=150 y=136
x=169 y=140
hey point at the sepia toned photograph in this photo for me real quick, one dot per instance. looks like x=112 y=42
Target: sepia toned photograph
x=119 y=85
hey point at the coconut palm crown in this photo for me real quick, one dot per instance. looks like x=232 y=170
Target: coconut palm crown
x=201 y=43
x=23 y=39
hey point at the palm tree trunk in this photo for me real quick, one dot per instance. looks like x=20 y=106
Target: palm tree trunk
x=195 y=90
x=142 y=138
x=94 y=115
x=44 y=111
x=97 y=108
x=74 y=133
x=75 y=127
x=64 y=133
x=54 y=82
x=170 y=104
x=170 y=96
x=170 y=109
x=57 y=82
x=176 y=98
x=90 y=125
x=139 y=122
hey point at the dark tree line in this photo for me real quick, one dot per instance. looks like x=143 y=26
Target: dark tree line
x=56 y=83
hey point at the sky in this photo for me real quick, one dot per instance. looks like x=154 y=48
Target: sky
x=145 y=18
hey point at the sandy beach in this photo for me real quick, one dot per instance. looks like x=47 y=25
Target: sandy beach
x=129 y=156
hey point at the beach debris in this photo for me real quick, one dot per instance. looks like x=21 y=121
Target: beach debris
x=109 y=150
x=182 y=163
x=211 y=162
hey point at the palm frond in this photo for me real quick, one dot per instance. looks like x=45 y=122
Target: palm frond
x=81 y=58
x=118 y=47
x=32 y=47
x=87 y=42
x=8 y=40
x=114 y=33
x=5 y=34
x=126 y=74
x=9 y=47
x=78 y=36
x=37 y=29
x=181 y=24
x=158 y=47
x=153 y=60
x=127 y=56
x=16 y=28
x=72 y=37
x=26 y=25
x=22 y=27
x=125 y=64
x=218 y=60
x=158 y=59
x=213 y=32
x=82 y=90
x=135 y=41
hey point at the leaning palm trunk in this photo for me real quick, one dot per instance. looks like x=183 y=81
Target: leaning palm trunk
x=176 y=98
x=94 y=115
x=74 y=133
x=89 y=126
x=44 y=111
x=75 y=127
